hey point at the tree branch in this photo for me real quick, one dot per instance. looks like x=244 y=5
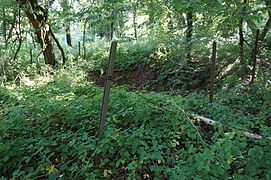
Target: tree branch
x=212 y=123
x=59 y=46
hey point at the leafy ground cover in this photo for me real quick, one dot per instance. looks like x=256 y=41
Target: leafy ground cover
x=54 y=55
x=161 y=65
x=50 y=131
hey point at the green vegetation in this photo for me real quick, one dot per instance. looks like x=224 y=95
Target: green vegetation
x=46 y=131
x=53 y=59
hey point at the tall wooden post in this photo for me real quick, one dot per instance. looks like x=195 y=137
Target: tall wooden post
x=107 y=85
x=212 y=81
x=108 y=78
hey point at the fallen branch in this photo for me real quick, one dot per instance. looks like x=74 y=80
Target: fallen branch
x=204 y=119
x=212 y=122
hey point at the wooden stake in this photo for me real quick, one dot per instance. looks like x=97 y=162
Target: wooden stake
x=212 y=83
x=108 y=78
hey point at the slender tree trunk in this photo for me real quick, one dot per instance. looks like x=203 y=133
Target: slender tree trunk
x=111 y=30
x=267 y=24
x=241 y=35
x=38 y=17
x=213 y=67
x=10 y=31
x=189 y=19
x=68 y=35
x=94 y=34
x=120 y=24
x=112 y=25
x=254 y=56
x=19 y=35
x=241 y=43
x=4 y=27
x=84 y=39
x=31 y=56
x=134 y=21
x=79 y=48
x=59 y=47
x=151 y=14
x=66 y=10
x=18 y=49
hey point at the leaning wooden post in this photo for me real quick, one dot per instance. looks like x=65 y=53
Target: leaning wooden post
x=108 y=78
x=212 y=82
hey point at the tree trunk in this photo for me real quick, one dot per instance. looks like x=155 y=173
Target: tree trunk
x=111 y=30
x=38 y=17
x=59 y=47
x=112 y=25
x=213 y=67
x=4 y=27
x=84 y=39
x=241 y=36
x=68 y=35
x=150 y=13
x=31 y=56
x=241 y=43
x=46 y=44
x=19 y=35
x=66 y=11
x=254 y=56
x=134 y=21
x=267 y=24
x=79 y=48
x=189 y=19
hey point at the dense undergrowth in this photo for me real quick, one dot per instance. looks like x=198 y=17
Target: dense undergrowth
x=49 y=130
x=53 y=59
x=166 y=61
x=49 y=118
x=164 y=58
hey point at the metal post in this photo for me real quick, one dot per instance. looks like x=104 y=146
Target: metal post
x=212 y=83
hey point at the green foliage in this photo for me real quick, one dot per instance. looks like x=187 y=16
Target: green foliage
x=130 y=56
x=50 y=131
x=49 y=117
x=167 y=59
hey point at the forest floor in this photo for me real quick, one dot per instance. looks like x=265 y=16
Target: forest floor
x=49 y=130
